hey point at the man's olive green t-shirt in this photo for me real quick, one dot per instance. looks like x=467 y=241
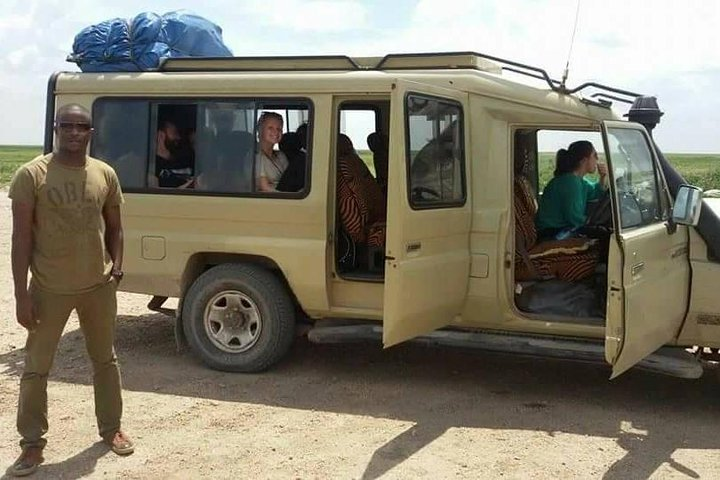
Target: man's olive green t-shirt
x=69 y=254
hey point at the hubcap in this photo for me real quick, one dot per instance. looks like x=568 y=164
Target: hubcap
x=232 y=321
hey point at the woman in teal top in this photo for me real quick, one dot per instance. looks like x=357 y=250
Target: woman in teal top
x=562 y=206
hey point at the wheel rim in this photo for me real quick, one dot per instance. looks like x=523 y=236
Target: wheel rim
x=232 y=321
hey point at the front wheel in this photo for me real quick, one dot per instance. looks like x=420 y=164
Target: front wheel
x=238 y=318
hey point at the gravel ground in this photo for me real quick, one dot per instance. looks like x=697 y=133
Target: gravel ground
x=358 y=412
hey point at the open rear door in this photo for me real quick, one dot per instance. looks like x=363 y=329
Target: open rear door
x=648 y=266
x=428 y=223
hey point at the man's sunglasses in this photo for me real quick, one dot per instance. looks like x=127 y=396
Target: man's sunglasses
x=69 y=126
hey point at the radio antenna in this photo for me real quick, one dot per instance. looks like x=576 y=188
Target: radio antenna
x=572 y=42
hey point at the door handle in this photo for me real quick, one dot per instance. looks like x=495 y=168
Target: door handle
x=679 y=252
x=413 y=247
x=637 y=268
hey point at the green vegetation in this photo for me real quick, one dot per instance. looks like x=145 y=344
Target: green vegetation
x=701 y=170
x=367 y=157
x=11 y=157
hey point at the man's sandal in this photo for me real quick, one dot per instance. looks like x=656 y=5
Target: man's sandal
x=120 y=443
x=28 y=461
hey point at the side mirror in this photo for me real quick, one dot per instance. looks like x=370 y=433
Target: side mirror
x=688 y=201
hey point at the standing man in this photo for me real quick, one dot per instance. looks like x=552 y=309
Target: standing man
x=67 y=231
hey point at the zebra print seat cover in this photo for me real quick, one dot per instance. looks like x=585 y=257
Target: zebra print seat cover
x=571 y=259
x=361 y=202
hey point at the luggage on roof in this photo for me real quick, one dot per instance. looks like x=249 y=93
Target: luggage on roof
x=140 y=43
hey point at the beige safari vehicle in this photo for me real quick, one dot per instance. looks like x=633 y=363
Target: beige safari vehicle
x=425 y=239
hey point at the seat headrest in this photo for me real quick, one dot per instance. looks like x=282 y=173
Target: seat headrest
x=290 y=142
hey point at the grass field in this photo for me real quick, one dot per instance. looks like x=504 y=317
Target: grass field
x=699 y=169
x=11 y=157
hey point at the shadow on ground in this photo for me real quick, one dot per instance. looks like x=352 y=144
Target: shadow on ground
x=77 y=466
x=436 y=389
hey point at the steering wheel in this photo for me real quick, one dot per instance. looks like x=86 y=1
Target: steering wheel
x=417 y=194
x=631 y=211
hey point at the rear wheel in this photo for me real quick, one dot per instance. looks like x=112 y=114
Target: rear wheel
x=238 y=318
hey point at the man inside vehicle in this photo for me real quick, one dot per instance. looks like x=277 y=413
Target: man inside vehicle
x=174 y=158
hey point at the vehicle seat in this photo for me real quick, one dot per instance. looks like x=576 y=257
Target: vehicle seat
x=361 y=203
x=378 y=143
x=293 y=178
x=232 y=157
x=570 y=259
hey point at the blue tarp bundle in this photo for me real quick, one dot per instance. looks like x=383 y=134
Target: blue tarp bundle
x=138 y=44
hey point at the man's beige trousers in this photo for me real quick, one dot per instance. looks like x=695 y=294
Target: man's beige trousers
x=96 y=311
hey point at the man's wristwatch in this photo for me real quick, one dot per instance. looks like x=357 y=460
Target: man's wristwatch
x=117 y=274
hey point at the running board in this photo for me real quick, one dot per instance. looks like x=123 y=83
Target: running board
x=671 y=361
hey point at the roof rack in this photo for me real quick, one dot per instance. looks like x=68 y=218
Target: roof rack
x=394 y=61
x=454 y=60
x=254 y=64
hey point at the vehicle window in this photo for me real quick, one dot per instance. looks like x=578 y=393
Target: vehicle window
x=224 y=147
x=293 y=115
x=550 y=141
x=435 y=152
x=121 y=138
x=173 y=138
x=358 y=124
x=200 y=146
x=637 y=179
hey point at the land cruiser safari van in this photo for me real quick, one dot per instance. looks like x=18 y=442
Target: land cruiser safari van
x=427 y=236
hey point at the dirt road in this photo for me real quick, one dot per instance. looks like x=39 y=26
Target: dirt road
x=359 y=412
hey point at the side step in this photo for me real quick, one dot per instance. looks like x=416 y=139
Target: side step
x=671 y=361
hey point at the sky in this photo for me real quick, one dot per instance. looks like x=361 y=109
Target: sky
x=664 y=48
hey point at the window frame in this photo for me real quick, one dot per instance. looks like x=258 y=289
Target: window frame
x=463 y=169
x=262 y=103
x=662 y=197
x=566 y=129
x=356 y=106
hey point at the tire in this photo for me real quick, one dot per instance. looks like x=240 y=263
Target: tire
x=238 y=318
